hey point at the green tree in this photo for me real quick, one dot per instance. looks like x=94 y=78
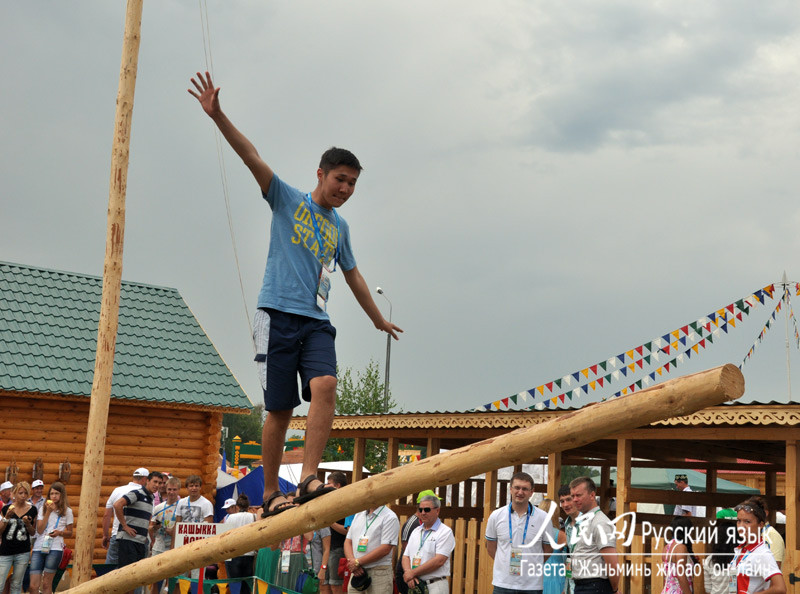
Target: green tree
x=248 y=427
x=569 y=473
x=362 y=394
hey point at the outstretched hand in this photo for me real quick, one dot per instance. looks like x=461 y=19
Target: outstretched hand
x=389 y=328
x=206 y=94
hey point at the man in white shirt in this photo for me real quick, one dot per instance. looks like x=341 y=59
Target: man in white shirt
x=195 y=508
x=110 y=528
x=514 y=539
x=427 y=554
x=369 y=545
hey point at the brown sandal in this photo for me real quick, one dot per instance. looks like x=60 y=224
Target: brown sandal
x=279 y=507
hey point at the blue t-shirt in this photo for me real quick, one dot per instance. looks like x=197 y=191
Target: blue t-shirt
x=295 y=256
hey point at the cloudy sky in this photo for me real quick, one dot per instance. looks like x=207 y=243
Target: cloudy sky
x=546 y=184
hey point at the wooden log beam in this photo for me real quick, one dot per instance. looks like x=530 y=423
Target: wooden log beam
x=109 y=306
x=679 y=396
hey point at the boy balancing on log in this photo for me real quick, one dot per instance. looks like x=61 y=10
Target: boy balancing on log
x=292 y=331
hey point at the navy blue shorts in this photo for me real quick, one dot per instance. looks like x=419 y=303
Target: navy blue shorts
x=288 y=345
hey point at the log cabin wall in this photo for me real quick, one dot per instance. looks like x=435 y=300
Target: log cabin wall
x=181 y=441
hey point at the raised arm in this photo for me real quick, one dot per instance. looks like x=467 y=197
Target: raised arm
x=208 y=96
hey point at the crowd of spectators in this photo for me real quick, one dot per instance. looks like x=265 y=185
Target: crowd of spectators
x=564 y=547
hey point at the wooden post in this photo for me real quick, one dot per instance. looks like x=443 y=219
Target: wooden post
x=677 y=397
x=485 y=563
x=359 y=453
x=711 y=487
x=623 y=476
x=605 y=485
x=553 y=475
x=93 y=457
x=791 y=563
x=432 y=447
x=392 y=453
x=770 y=490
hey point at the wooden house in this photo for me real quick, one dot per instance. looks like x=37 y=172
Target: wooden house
x=170 y=385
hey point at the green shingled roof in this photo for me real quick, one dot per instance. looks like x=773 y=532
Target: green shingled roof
x=48 y=334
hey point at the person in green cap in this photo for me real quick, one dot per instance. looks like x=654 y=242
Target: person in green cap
x=411 y=523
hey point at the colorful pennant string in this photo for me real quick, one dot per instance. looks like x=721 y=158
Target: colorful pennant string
x=679 y=344
x=760 y=338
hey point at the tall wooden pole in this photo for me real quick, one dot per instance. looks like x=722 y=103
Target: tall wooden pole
x=677 y=397
x=94 y=453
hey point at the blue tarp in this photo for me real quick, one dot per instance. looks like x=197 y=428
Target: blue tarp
x=251 y=485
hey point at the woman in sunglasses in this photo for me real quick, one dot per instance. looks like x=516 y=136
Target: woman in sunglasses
x=755 y=567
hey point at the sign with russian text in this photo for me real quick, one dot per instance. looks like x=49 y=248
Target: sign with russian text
x=186 y=532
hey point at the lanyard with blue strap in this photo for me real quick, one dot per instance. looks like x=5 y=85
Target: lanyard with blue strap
x=515 y=560
x=527 y=521
x=319 y=235
x=324 y=285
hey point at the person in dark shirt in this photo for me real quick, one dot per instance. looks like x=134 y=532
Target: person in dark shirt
x=17 y=526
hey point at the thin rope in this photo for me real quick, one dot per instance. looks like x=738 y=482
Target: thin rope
x=209 y=60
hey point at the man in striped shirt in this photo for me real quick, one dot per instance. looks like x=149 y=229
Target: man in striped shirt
x=134 y=511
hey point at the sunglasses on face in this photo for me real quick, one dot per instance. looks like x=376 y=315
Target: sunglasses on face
x=424 y=510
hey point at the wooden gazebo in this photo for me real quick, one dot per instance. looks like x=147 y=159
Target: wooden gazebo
x=760 y=439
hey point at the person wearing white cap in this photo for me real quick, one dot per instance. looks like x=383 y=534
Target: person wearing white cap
x=5 y=493
x=110 y=522
x=230 y=508
x=238 y=516
x=37 y=488
x=37 y=500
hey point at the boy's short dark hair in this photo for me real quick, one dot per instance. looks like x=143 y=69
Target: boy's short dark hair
x=522 y=476
x=336 y=157
x=338 y=478
x=564 y=491
x=194 y=479
x=155 y=474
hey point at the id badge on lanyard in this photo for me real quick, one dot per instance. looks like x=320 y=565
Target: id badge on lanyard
x=733 y=584
x=285 y=560
x=362 y=544
x=515 y=563
x=323 y=288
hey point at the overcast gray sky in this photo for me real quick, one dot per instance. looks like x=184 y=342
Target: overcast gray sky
x=546 y=184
